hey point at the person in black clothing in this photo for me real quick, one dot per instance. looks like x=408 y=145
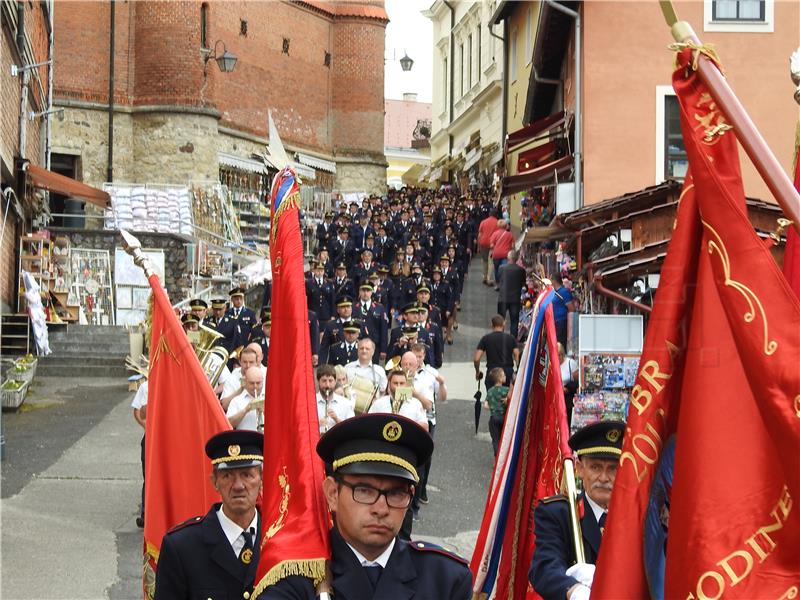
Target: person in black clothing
x=511 y=280
x=500 y=349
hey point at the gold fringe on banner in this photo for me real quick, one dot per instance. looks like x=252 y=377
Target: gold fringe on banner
x=291 y=201
x=707 y=50
x=313 y=568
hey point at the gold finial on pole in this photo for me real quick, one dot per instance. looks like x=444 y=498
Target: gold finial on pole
x=794 y=67
x=134 y=248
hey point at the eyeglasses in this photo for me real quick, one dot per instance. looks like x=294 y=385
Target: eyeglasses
x=366 y=494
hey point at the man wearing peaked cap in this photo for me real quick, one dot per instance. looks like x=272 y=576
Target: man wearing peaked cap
x=554 y=572
x=374 y=460
x=242 y=320
x=375 y=319
x=346 y=351
x=189 y=322
x=198 y=308
x=215 y=556
x=218 y=306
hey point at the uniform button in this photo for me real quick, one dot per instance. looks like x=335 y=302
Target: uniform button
x=246 y=595
x=420 y=545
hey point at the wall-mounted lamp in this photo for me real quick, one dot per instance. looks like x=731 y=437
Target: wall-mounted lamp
x=406 y=62
x=58 y=112
x=225 y=61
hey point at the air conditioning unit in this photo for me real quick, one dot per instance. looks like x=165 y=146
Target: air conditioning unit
x=565 y=198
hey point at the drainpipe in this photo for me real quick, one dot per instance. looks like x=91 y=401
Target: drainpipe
x=48 y=138
x=452 y=76
x=23 y=100
x=603 y=290
x=112 y=36
x=578 y=98
x=505 y=80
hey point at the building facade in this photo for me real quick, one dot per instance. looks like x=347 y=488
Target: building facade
x=467 y=122
x=407 y=140
x=628 y=111
x=177 y=118
x=24 y=42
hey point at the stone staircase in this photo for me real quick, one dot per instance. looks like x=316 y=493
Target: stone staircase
x=86 y=351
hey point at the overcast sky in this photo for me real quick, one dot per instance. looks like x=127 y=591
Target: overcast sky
x=409 y=32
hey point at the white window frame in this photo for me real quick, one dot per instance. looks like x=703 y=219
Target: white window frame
x=513 y=56
x=662 y=91
x=765 y=26
x=529 y=36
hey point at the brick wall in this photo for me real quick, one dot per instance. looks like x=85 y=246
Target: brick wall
x=158 y=61
x=82 y=51
x=357 y=97
x=8 y=260
x=10 y=90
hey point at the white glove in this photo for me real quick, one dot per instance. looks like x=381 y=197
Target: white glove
x=583 y=572
x=580 y=593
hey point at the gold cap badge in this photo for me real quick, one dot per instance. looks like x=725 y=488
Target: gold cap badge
x=392 y=431
x=613 y=435
x=234 y=450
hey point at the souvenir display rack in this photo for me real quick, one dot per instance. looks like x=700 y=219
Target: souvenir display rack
x=606 y=379
x=91 y=285
x=249 y=193
x=62 y=282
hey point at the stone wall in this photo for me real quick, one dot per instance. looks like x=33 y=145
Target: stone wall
x=361 y=177
x=177 y=276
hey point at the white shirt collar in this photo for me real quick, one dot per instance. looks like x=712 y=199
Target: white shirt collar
x=381 y=560
x=231 y=530
x=596 y=508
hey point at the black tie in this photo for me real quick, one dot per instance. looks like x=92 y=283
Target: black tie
x=373 y=574
x=246 y=555
x=602 y=522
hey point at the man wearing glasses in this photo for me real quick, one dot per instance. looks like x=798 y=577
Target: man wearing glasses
x=373 y=461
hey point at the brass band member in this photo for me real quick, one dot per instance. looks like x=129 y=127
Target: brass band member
x=331 y=407
x=400 y=400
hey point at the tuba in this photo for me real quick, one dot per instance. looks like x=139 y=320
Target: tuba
x=212 y=358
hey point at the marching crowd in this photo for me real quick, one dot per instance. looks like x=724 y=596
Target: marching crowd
x=384 y=289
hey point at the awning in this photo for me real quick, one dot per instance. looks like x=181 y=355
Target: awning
x=543 y=234
x=413 y=175
x=527 y=133
x=243 y=164
x=538 y=176
x=317 y=163
x=530 y=159
x=472 y=158
x=305 y=172
x=436 y=175
x=53 y=182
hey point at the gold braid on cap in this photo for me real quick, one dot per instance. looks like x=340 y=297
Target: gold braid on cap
x=598 y=449
x=376 y=457
x=216 y=461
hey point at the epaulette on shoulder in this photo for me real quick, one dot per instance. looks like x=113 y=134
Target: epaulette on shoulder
x=186 y=523
x=556 y=498
x=433 y=548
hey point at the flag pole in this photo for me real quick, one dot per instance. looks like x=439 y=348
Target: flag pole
x=749 y=137
x=572 y=499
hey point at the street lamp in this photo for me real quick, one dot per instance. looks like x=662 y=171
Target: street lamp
x=406 y=62
x=225 y=61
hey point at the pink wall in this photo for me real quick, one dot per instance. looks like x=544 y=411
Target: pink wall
x=625 y=57
x=401 y=119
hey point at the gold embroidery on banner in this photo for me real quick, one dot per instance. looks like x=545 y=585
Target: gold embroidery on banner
x=749 y=295
x=712 y=122
x=163 y=347
x=283 y=481
x=797 y=406
x=790 y=593
x=680 y=198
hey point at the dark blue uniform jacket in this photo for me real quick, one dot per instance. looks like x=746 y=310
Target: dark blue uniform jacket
x=415 y=570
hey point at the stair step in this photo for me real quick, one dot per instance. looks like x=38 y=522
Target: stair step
x=84 y=370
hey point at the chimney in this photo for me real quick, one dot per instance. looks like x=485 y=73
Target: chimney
x=410 y=97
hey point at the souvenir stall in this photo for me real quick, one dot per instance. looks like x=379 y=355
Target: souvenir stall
x=608 y=360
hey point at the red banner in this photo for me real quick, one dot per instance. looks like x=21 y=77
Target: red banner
x=182 y=414
x=702 y=504
x=295 y=515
